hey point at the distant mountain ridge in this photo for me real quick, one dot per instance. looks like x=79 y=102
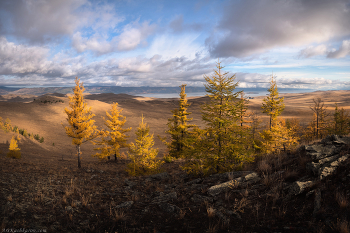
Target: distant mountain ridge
x=132 y=90
x=97 y=89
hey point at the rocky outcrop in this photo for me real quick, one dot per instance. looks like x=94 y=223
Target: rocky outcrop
x=325 y=155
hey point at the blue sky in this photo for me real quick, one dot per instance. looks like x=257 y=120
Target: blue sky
x=304 y=43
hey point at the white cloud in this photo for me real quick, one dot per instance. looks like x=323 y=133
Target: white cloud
x=252 y=27
x=22 y=59
x=133 y=34
x=312 y=51
x=343 y=51
x=169 y=46
x=96 y=44
x=37 y=21
x=177 y=25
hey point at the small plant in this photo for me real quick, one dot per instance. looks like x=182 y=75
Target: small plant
x=37 y=137
x=168 y=159
x=341 y=199
x=211 y=212
x=14 y=150
x=15 y=128
x=41 y=140
x=119 y=215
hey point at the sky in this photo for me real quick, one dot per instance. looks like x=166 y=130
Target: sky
x=305 y=44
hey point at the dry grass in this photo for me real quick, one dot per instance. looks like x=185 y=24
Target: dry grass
x=343 y=226
x=211 y=212
x=264 y=166
x=9 y=198
x=213 y=228
x=239 y=205
x=119 y=215
x=341 y=200
x=182 y=214
x=85 y=200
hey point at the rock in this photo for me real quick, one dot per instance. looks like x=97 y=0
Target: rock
x=217 y=189
x=299 y=187
x=222 y=217
x=230 y=175
x=199 y=199
x=165 y=198
x=69 y=209
x=166 y=207
x=333 y=139
x=93 y=176
x=195 y=181
x=310 y=193
x=317 y=204
x=328 y=170
x=125 y=205
x=129 y=183
x=252 y=178
x=159 y=176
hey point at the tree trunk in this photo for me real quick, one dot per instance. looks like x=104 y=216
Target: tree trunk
x=79 y=163
x=115 y=157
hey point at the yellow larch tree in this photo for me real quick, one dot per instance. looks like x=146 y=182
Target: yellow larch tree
x=220 y=147
x=14 y=151
x=279 y=137
x=178 y=127
x=272 y=104
x=79 y=117
x=142 y=154
x=114 y=138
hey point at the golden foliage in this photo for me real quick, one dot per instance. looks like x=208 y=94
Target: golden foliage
x=79 y=117
x=178 y=127
x=222 y=145
x=114 y=138
x=272 y=104
x=14 y=151
x=142 y=154
x=279 y=137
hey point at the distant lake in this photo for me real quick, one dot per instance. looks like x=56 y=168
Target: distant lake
x=249 y=92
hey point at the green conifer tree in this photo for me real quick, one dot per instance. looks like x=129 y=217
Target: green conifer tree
x=114 y=138
x=142 y=154
x=219 y=147
x=272 y=104
x=79 y=117
x=339 y=124
x=178 y=127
